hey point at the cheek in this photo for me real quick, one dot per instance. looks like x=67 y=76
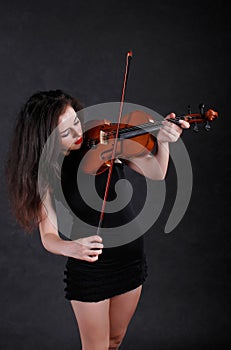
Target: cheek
x=66 y=142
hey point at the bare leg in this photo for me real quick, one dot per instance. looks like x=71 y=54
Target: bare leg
x=93 y=323
x=122 y=308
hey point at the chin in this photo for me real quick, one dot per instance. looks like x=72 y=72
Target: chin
x=74 y=147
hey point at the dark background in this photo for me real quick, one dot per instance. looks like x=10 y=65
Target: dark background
x=181 y=57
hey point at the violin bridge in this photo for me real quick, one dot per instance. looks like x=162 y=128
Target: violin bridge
x=103 y=137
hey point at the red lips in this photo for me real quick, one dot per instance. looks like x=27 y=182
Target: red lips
x=79 y=141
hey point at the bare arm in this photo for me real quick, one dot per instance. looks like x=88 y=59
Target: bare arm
x=155 y=167
x=78 y=249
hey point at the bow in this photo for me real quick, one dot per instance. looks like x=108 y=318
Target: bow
x=111 y=164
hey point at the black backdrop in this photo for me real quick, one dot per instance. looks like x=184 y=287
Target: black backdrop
x=180 y=57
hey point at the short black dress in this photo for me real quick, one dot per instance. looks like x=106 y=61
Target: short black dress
x=122 y=266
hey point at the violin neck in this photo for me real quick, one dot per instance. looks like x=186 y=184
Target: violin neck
x=152 y=126
x=138 y=130
x=142 y=129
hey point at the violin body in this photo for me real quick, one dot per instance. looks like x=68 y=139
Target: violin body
x=99 y=141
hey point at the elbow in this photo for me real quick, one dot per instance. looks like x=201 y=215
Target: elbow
x=161 y=176
x=45 y=243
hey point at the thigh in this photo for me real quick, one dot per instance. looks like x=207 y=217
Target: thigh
x=122 y=308
x=93 y=323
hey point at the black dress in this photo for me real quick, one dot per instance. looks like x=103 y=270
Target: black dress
x=122 y=266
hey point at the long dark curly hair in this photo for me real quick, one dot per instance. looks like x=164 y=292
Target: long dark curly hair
x=35 y=123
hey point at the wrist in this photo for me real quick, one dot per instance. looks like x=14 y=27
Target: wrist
x=160 y=140
x=163 y=144
x=64 y=247
x=54 y=244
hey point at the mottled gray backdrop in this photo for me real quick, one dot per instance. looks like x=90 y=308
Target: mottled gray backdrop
x=181 y=57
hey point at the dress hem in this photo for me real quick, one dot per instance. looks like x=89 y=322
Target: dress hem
x=95 y=299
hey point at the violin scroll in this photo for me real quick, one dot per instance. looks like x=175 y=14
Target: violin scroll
x=202 y=117
x=211 y=115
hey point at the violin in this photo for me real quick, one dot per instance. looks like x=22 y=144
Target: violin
x=138 y=126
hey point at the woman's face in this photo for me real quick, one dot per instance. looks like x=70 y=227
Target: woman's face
x=70 y=130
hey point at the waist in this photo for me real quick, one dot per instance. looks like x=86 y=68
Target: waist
x=125 y=254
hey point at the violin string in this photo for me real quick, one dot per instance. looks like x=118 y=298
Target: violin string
x=136 y=127
x=141 y=126
x=127 y=130
x=130 y=128
x=153 y=125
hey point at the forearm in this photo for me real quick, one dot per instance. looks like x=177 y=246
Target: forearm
x=87 y=248
x=152 y=167
x=162 y=159
x=54 y=244
x=155 y=167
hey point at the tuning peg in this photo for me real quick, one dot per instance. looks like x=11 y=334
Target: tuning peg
x=195 y=127
x=202 y=108
x=207 y=126
x=202 y=112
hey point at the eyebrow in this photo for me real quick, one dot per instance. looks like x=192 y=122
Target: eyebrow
x=76 y=117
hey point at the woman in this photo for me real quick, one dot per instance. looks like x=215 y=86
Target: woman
x=102 y=284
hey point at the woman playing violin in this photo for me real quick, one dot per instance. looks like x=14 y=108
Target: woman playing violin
x=103 y=284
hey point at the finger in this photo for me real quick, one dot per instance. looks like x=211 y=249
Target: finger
x=96 y=246
x=184 y=124
x=179 y=123
x=92 y=258
x=171 y=123
x=171 y=128
x=93 y=251
x=95 y=238
x=170 y=135
x=87 y=241
x=170 y=115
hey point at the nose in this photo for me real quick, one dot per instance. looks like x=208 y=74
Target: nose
x=77 y=131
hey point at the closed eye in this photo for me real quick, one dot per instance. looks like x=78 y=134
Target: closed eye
x=65 y=133
x=77 y=121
